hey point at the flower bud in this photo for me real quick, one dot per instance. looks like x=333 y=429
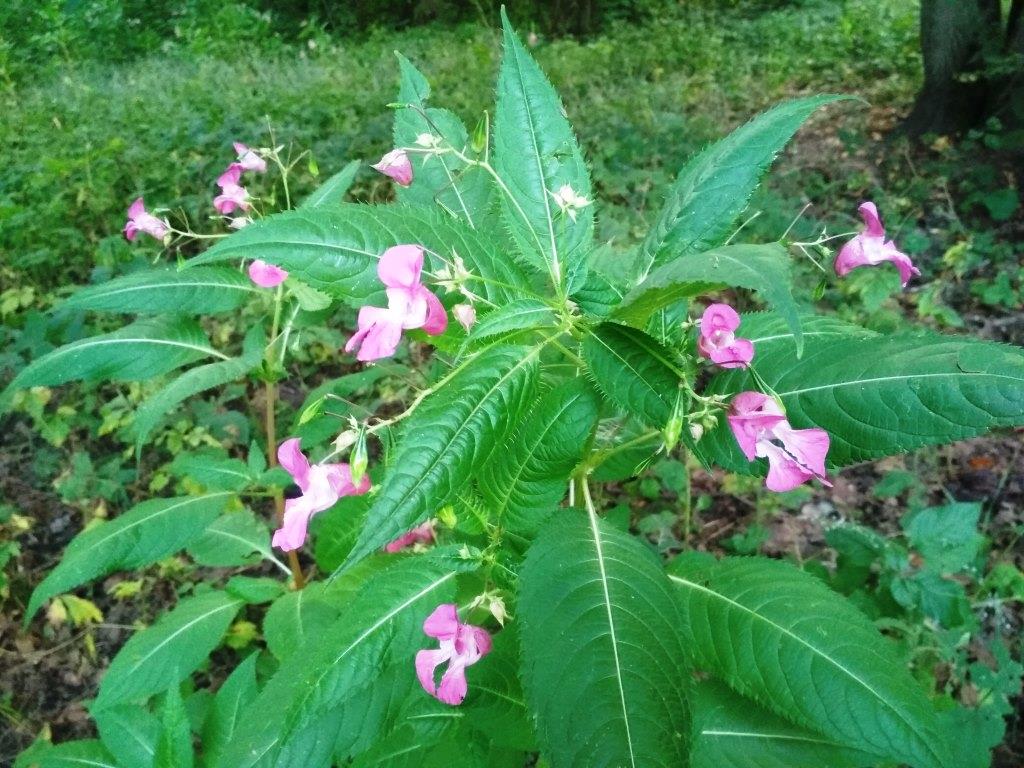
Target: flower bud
x=696 y=432
x=358 y=459
x=465 y=314
x=672 y=431
x=478 y=141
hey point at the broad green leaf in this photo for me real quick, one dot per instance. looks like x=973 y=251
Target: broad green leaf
x=946 y=537
x=332 y=192
x=495 y=705
x=139 y=351
x=212 y=469
x=255 y=590
x=163 y=655
x=374 y=710
x=233 y=539
x=335 y=531
x=735 y=732
x=633 y=371
x=298 y=617
x=146 y=533
x=780 y=636
x=713 y=188
x=879 y=396
x=204 y=291
x=129 y=732
x=174 y=746
x=382 y=622
x=336 y=250
x=444 y=180
x=597 y=296
x=515 y=316
x=770 y=331
x=192 y=382
x=762 y=268
x=71 y=754
x=536 y=154
x=445 y=439
x=523 y=481
x=604 y=665
x=237 y=692
x=626 y=447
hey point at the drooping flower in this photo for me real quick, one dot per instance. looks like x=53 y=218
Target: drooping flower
x=569 y=202
x=718 y=342
x=395 y=165
x=461 y=645
x=141 y=220
x=410 y=305
x=465 y=314
x=321 y=485
x=421 y=534
x=248 y=159
x=762 y=430
x=266 y=275
x=232 y=194
x=870 y=248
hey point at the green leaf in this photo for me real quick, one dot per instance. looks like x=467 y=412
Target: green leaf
x=159 y=657
x=946 y=537
x=445 y=439
x=762 y=268
x=174 y=747
x=332 y=192
x=713 y=188
x=237 y=692
x=139 y=351
x=336 y=250
x=735 y=732
x=515 y=316
x=879 y=396
x=236 y=538
x=535 y=153
x=204 y=291
x=444 y=180
x=633 y=371
x=335 y=531
x=495 y=705
x=212 y=469
x=600 y=625
x=199 y=379
x=383 y=621
x=780 y=636
x=146 y=533
x=129 y=732
x=525 y=479
x=296 y=617
x=70 y=754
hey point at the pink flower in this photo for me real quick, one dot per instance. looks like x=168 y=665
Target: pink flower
x=140 y=220
x=266 y=275
x=717 y=340
x=870 y=247
x=395 y=165
x=421 y=534
x=462 y=645
x=321 y=485
x=248 y=159
x=761 y=429
x=410 y=305
x=465 y=314
x=232 y=194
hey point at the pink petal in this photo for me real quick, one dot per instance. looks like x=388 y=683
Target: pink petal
x=483 y=640
x=400 y=266
x=266 y=275
x=395 y=165
x=735 y=355
x=718 y=317
x=340 y=478
x=292 y=534
x=453 y=684
x=408 y=306
x=851 y=256
x=901 y=261
x=295 y=462
x=872 y=223
x=443 y=623
x=426 y=663
x=378 y=335
x=403 y=541
x=784 y=472
x=807 y=446
x=130 y=231
x=240 y=148
x=437 y=319
x=750 y=414
x=136 y=209
x=230 y=177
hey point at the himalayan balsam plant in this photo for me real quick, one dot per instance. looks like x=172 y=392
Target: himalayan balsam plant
x=450 y=592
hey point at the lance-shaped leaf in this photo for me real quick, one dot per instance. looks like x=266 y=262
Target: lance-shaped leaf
x=332 y=192
x=164 y=654
x=174 y=746
x=199 y=292
x=879 y=396
x=713 y=188
x=536 y=154
x=195 y=380
x=70 y=754
x=383 y=620
x=139 y=351
x=236 y=538
x=633 y=371
x=445 y=439
x=735 y=732
x=146 y=533
x=762 y=268
x=517 y=315
x=443 y=179
x=780 y=636
x=604 y=665
x=523 y=481
x=336 y=250
x=237 y=692
x=129 y=732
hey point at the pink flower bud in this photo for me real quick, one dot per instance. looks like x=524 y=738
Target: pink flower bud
x=465 y=314
x=395 y=165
